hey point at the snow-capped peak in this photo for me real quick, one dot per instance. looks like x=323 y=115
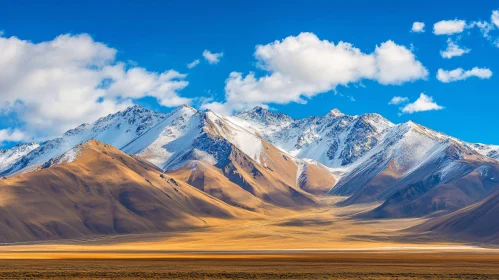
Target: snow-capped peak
x=264 y=116
x=487 y=150
x=10 y=156
x=66 y=157
x=334 y=139
x=117 y=129
x=188 y=134
x=336 y=113
x=184 y=108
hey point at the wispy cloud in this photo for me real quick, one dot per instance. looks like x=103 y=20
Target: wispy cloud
x=447 y=76
x=193 y=64
x=453 y=50
x=456 y=26
x=398 y=100
x=212 y=58
x=484 y=27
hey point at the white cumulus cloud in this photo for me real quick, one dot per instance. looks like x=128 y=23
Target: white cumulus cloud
x=300 y=67
x=423 y=103
x=418 y=27
x=495 y=18
x=447 y=76
x=55 y=85
x=449 y=27
x=453 y=50
x=193 y=64
x=212 y=58
x=398 y=100
x=11 y=135
x=396 y=64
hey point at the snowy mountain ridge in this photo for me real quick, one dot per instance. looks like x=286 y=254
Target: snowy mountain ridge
x=116 y=129
x=347 y=138
x=338 y=141
x=10 y=156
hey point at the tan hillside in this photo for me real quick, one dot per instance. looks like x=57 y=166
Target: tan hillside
x=372 y=190
x=212 y=181
x=95 y=189
x=432 y=196
x=477 y=222
x=242 y=182
x=273 y=182
x=316 y=179
x=103 y=191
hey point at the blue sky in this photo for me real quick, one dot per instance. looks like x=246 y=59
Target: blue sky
x=158 y=36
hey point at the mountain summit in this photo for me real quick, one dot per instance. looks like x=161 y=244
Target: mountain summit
x=336 y=113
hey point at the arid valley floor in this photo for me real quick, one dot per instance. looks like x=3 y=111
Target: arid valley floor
x=323 y=243
x=288 y=266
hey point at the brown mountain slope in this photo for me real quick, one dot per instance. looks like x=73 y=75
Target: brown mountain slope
x=241 y=181
x=373 y=189
x=477 y=222
x=415 y=172
x=238 y=166
x=271 y=176
x=212 y=181
x=316 y=179
x=273 y=181
x=449 y=177
x=434 y=196
x=103 y=191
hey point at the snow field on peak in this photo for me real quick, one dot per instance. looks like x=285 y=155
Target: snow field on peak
x=242 y=138
x=115 y=129
x=169 y=138
x=68 y=156
x=412 y=150
x=335 y=140
x=182 y=136
x=10 y=156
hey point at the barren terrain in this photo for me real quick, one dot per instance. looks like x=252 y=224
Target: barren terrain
x=329 y=228
x=319 y=243
x=289 y=266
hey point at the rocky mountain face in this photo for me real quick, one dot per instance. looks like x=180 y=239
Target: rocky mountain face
x=475 y=223
x=488 y=150
x=413 y=170
x=416 y=172
x=115 y=129
x=11 y=156
x=335 y=139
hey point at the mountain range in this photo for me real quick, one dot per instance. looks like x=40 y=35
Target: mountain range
x=140 y=171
